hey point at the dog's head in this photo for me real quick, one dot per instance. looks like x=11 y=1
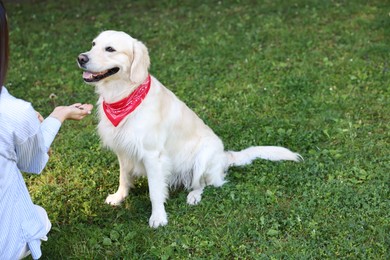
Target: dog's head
x=115 y=56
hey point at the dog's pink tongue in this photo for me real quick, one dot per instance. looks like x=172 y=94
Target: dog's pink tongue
x=87 y=74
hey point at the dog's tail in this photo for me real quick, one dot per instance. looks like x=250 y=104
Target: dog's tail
x=272 y=153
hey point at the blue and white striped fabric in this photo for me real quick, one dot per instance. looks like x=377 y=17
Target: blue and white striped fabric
x=24 y=143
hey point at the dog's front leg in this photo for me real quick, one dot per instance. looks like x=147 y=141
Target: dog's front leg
x=125 y=181
x=157 y=170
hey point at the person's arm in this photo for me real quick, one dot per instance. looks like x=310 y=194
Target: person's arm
x=49 y=128
x=31 y=148
x=32 y=152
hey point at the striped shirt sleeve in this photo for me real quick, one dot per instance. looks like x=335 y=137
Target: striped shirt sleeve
x=50 y=127
x=32 y=151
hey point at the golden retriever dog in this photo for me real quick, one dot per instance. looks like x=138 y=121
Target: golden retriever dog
x=152 y=132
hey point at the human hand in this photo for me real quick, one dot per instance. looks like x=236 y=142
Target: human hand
x=73 y=112
x=40 y=117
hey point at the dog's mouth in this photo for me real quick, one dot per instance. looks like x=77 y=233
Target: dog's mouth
x=97 y=76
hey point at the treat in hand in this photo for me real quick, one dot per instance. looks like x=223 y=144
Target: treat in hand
x=73 y=112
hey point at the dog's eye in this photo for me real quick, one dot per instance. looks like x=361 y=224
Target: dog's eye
x=110 y=49
x=93 y=43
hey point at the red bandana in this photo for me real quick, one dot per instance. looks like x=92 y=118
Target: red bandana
x=115 y=112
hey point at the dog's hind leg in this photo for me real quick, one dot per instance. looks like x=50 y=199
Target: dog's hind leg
x=208 y=171
x=197 y=185
x=125 y=181
x=195 y=196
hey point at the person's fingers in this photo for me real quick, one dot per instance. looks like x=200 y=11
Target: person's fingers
x=76 y=105
x=86 y=106
x=40 y=117
x=83 y=113
x=79 y=112
x=76 y=111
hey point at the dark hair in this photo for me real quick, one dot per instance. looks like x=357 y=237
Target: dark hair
x=4 y=48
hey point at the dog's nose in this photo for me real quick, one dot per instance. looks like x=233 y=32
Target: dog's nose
x=82 y=59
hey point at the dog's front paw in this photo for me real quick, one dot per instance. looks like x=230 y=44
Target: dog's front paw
x=158 y=219
x=115 y=199
x=194 y=197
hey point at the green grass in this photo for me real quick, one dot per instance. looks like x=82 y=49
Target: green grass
x=313 y=76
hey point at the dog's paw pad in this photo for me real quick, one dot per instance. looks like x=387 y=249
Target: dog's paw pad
x=114 y=199
x=194 y=198
x=158 y=220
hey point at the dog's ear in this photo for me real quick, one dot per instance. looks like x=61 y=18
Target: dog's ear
x=140 y=63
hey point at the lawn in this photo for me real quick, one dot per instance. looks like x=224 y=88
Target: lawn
x=312 y=76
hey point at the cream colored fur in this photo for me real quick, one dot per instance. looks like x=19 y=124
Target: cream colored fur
x=162 y=139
